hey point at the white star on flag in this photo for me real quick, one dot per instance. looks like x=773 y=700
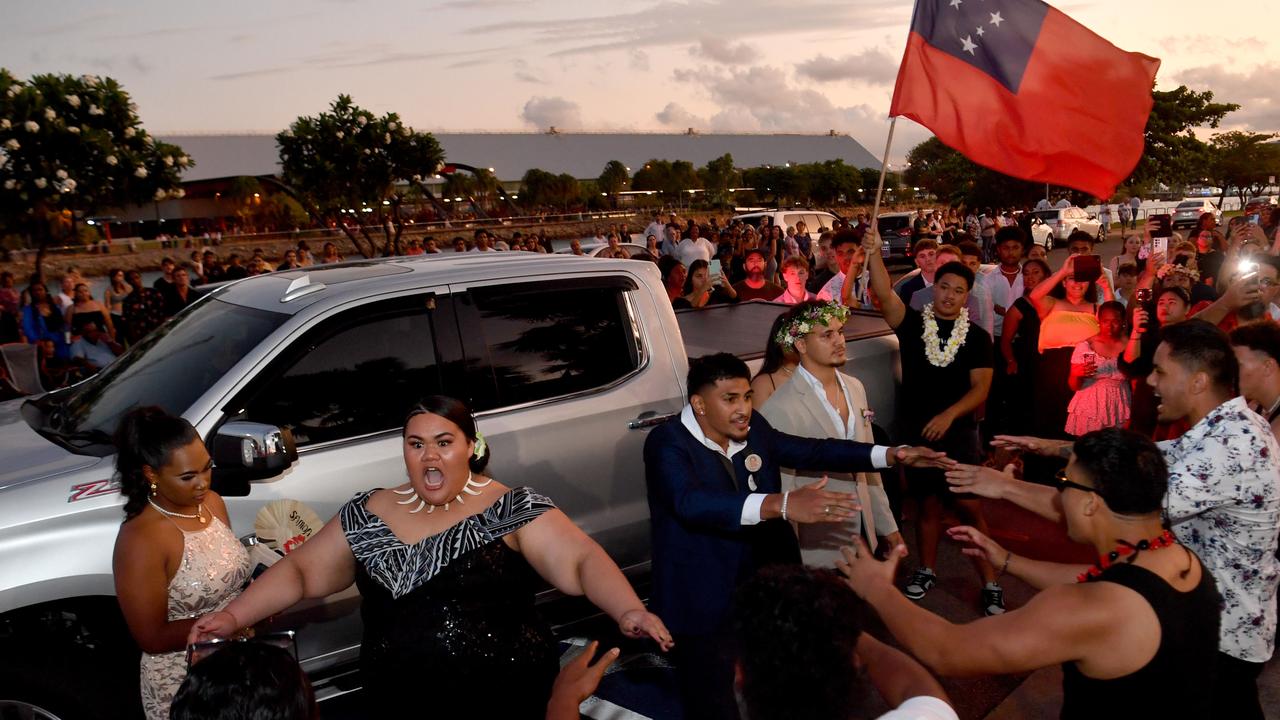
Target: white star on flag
x=969 y=44
x=980 y=31
x=956 y=3
x=996 y=19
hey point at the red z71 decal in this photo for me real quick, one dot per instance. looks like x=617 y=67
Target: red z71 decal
x=93 y=488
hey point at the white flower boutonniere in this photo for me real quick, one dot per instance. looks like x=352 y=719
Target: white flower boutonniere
x=937 y=354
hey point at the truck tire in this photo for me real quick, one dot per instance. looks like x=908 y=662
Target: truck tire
x=67 y=684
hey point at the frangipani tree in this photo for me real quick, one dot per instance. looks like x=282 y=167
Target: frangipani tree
x=351 y=169
x=70 y=146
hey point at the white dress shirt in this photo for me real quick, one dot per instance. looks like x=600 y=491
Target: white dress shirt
x=688 y=250
x=1001 y=291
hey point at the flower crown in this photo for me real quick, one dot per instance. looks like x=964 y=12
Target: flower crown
x=1169 y=268
x=805 y=323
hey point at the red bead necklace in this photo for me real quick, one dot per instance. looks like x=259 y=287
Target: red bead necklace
x=1126 y=549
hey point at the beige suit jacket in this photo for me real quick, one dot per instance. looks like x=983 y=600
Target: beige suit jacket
x=795 y=409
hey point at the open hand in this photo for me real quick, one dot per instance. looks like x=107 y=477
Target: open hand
x=813 y=504
x=1039 y=446
x=922 y=457
x=980 y=546
x=642 y=623
x=937 y=427
x=577 y=680
x=980 y=480
x=863 y=572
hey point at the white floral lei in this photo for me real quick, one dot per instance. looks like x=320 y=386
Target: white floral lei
x=938 y=355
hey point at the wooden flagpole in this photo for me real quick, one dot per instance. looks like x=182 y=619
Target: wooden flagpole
x=846 y=293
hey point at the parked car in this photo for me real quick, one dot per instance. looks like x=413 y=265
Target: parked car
x=815 y=220
x=1255 y=204
x=1054 y=226
x=594 y=249
x=299 y=381
x=895 y=231
x=1187 y=213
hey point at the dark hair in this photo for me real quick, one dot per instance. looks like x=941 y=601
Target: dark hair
x=694 y=267
x=1059 y=292
x=774 y=355
x=1199 y=346
x=146 y=437
x=1011 y=232
x=246 y=681
x=845 y=237
x=666 y=264
x=1125 y=468
x=456 y=412
x=1112 y=305
x=1182 y=294
x=1080 y=235
x=795 y=630
x=708 y=370
x=955 y=268
x=750 y=251
x=1263 y=337
x=969 y=248
x=925 y=244
x=1044 y=266
x=1127 y=269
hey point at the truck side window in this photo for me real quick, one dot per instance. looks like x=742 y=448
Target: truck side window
x=538 y=341
x=357 y=375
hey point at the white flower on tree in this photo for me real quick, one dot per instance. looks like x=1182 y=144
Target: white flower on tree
x=73 y=129
x=94 y=109
x=41 y=183
x=130 y=132
x=362 y=120
x=340 y=134
x=111 y=160
x=140 y=172
x=31 y=126
x=68 y=185
x=4 y=124
x=62 y=174
x=49 y=114
x=73 y=101
x=12 y=144
x=179 y=193
x=160 y=194
x=168 y=161
x=10 y=184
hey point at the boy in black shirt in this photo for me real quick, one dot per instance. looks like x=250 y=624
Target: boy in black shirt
x=947 y=365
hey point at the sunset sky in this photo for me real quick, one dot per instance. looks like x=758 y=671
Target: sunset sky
x=463 y=65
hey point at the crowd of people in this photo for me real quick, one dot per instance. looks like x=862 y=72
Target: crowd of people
x=1137 y=405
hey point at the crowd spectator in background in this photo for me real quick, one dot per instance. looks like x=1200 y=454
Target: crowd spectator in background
x=42 y=320
x=822 y=264
x=1169 y=306
x=165 y=281
x=1130 y=255
x=67 y=291
x=1257 y=349
x=779 y=363
x=180 y=293
x=795 y=276
x=144 y=309
x=113 y=298
x=94 y=349
x=1102 y=393
x=1020 y=347
x=700 y=289
x=290 y=261
x=755 y=286
x=846 y=247
x=10 y=310
x=925 y=253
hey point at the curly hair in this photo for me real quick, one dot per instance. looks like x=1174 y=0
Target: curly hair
x=146 y=437
x=458 y=413
x=246 y=680
x=795 y=631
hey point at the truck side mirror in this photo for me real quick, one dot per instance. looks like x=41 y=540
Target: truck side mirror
x=245 y=452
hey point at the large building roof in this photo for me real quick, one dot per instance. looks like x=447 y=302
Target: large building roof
x=582 y=155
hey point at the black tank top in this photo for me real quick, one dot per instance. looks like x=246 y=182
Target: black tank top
x=1174 y=683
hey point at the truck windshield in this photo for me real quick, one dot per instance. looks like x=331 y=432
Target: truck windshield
x=171 y=368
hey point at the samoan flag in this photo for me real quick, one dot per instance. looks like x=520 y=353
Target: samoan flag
x=1019 y=87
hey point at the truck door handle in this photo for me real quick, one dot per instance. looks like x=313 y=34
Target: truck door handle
x=649 y=419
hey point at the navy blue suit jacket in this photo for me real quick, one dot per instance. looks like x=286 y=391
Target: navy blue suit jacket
x=701 y=549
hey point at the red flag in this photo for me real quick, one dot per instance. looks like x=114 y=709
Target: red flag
x=1021 y=88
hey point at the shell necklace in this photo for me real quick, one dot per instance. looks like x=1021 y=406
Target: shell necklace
x=469 y=488
x=198 y=516
x=940 y=355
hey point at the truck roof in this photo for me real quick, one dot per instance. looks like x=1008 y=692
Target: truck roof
x=290 y=291
x=740 y=329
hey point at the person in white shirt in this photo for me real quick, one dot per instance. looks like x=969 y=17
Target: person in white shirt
x=94 y=348
x=801 y=649
x=1043 y=204
x=846 y=245
x=691 y=248
x=1062 y=204
x=655 y=228
x=1135 y=202
x=483 y=240
x=1104 y=217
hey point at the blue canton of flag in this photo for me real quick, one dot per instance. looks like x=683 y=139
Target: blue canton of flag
x=994 y=36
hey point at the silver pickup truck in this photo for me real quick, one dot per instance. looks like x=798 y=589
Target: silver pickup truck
x=299 y=382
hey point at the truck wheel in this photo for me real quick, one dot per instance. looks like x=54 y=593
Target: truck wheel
x=67 y=684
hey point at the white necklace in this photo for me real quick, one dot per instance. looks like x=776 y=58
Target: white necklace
x=937 y=354
x=468 y=488
x=198 y=516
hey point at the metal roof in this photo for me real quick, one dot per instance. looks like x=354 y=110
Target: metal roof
x=582 y=155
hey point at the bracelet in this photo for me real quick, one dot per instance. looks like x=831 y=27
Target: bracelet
x=1004 y=568
x=785 y=495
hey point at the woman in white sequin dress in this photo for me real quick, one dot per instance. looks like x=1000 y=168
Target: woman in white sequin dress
x=175 y=556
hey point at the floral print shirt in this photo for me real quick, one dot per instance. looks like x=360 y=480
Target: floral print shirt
x=1224 y=503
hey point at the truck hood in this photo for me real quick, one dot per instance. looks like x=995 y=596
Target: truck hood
x=26 y=456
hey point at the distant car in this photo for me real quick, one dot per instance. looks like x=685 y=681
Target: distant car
x=1187 y=213
x=895 y=232
x=594 y=249
x=1054 y=226
x=814 y=220
x=1255 y=205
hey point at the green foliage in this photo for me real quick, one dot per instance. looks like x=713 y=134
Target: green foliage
x=348 y=159
x=71 y=145
x=957 y=180
x=1243 y=161
x=717 y=176
x=1173 y=155
x=672 y=180
x=540 y=188
x=613 y=179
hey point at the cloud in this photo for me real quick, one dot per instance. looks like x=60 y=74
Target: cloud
x=528 y=77
x=871 y=66
x=675 y=115
x=639 y=60
x=1251 y=89
x=543 y=112
x=669 y=22
x=719 y=50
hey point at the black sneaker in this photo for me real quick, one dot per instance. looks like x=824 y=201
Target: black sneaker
x=922 y=580
x=993 y=599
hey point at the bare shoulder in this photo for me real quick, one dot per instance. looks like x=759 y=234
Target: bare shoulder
x=218 y=507
x=146 y=534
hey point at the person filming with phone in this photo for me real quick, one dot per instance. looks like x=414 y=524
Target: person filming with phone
x=702 y=289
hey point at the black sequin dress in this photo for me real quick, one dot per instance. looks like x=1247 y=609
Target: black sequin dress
x=450 y=628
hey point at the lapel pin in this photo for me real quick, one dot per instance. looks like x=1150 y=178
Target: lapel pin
x=754 y=463
x=751 y=483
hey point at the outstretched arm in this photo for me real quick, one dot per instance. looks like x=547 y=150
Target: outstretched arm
x=890 y=304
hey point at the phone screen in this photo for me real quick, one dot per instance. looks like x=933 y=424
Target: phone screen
x=1164 y=225
x=1087 y=268
x=1255 y=218
x=1160 y=246
x=715 y=272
